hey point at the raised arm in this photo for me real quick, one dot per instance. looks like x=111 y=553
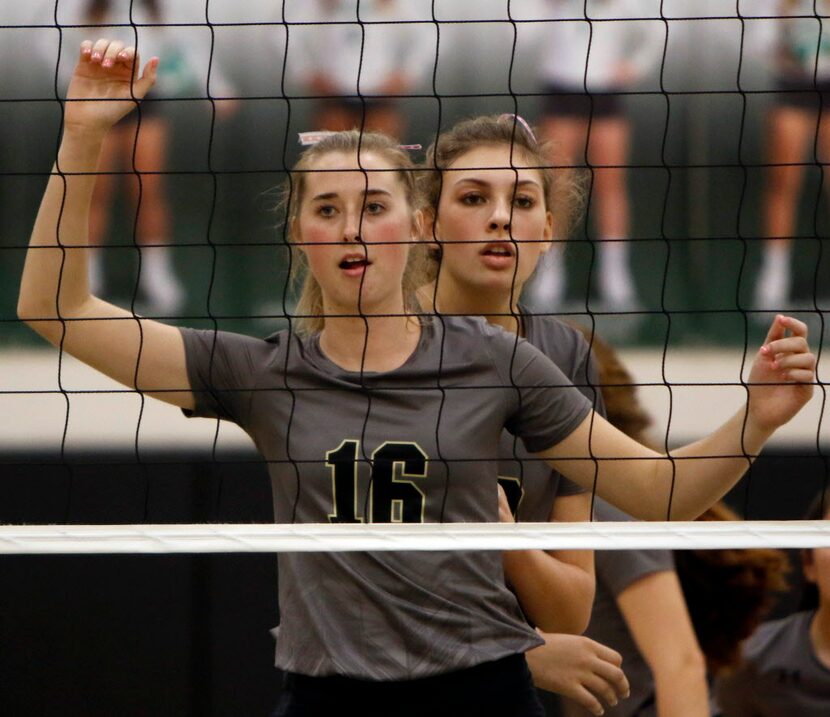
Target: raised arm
x=54 y=298
x=681 y=485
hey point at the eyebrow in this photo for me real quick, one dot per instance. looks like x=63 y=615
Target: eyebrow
x=484 y=183
x=334 y=195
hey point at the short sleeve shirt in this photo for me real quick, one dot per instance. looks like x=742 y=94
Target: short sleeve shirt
x=417 y=444
x=780 y=675
x=527 y=479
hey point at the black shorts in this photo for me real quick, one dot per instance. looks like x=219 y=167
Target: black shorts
x=503 y=687
x=566 y=101
x=803 y=94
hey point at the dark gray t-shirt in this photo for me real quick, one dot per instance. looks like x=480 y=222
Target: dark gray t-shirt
x=780 y=676
x=427 y=434
x=616 y=571
x=528 y=480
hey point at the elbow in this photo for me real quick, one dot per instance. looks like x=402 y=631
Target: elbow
x=571 y=618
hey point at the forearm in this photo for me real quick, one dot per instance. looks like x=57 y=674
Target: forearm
x=682 y=691
x=706 y=470
x=555 y=595
x=54 y=281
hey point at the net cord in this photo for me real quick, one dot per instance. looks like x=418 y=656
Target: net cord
x=343 y=537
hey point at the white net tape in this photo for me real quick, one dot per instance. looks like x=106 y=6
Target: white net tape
x=263 y=538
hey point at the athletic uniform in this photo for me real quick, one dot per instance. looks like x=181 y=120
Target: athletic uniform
x=802 y=53
x=617 y=570
x=428 y=433
x=780 y=675
x=580 y=59
x=527 y=480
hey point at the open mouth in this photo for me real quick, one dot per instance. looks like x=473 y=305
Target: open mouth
x=354 y=262
x=499 y=250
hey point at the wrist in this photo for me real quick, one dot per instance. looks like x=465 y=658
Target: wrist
x=84 y=133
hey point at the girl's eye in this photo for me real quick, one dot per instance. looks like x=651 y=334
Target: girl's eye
x=374 y=208
x=472 y=199
x=326 y=210
x=524 y=202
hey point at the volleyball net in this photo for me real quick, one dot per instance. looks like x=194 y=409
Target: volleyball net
x=697 y=95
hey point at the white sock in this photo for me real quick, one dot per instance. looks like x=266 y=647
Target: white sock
x=616 y=284
x=772 y=289
x=158 y=279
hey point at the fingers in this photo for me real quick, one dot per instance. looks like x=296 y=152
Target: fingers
x=111 y=54
x=148 y=77
x=781 y=324
x=787 y=350
x=586 y=700
x=615 y=683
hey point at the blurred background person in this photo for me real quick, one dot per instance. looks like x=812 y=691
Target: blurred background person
x=797 y=131
x=135 y=152
x=785 y=665
x=586 y=68
x=360 y=61
x=639 y=609
x=676 y=618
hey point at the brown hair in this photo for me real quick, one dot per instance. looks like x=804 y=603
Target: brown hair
x=619 y=391
x=564 y=195
x=728 y=592
x=310 y=317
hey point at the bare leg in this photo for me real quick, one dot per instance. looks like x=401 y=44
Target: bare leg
x=789 y=130
x=608 y=145
x=567 y=136
x=99 y=210
x=157 y=279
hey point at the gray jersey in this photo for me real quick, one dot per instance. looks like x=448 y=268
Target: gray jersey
x=616 y=571
x=417 y=444
x=528 y=481
x=780 y=676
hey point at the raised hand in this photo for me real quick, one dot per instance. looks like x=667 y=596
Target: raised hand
x=105 y=85
x=783 y=374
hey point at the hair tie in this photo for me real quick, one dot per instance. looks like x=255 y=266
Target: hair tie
x=522 y=121
x=309 y=138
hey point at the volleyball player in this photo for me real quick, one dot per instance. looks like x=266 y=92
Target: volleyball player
x=639 y=592
x=785 y=669
x=141 y=143
x=796 y=123
x=370 y=414
x=592 y=54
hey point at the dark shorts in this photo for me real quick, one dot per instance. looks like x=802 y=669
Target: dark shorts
x=566 y=101
x=803 y=94
x=503 y=687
